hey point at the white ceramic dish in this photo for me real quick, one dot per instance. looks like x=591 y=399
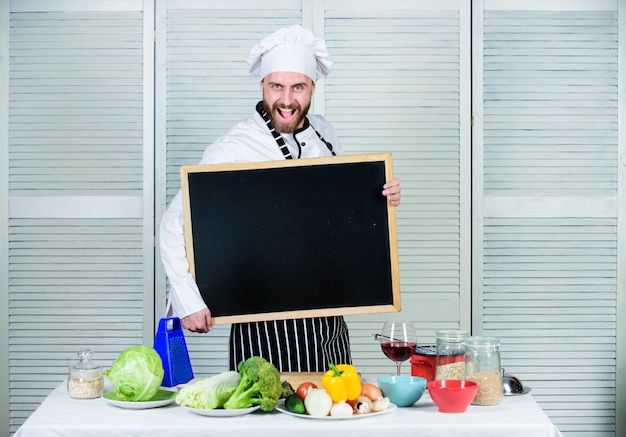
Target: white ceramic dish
x=161 y=399
x=220 y=412
x=281 y=407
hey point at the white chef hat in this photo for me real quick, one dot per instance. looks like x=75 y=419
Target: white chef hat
x=292 y=48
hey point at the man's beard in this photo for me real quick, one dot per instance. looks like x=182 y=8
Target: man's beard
x=282 y=127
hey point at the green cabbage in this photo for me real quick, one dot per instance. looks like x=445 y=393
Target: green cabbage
x=209 y=393
x=136 y=374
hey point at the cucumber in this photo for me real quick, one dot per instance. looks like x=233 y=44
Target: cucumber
x=294 y=404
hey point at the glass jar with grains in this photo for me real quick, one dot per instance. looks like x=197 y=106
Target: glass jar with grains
x=450 y=361
x=482 y=365
x=85 y=380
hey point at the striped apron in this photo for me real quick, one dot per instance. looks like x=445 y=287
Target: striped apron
x=294 y=345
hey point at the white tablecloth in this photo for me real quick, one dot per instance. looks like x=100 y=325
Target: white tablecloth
x=60 y=415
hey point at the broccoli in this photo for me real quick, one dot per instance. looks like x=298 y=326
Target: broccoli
x=287 y=390
x=260 y=385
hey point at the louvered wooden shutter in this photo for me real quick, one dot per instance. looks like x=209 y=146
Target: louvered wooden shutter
x=76 y=246
x=549 y=272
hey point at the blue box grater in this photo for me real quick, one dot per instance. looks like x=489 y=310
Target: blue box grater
x=169 y=342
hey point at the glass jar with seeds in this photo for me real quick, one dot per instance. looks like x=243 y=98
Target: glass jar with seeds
x=86 y=380
x=482 y=365
x=450 y=361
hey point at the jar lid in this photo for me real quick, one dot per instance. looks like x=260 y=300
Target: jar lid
x=427 y=350
x=482 y=341
x=452 y=334
x=85 y=367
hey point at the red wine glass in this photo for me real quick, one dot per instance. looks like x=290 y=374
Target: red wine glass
x=398 y=342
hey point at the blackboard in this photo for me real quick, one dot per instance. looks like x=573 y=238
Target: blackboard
x=292 y=238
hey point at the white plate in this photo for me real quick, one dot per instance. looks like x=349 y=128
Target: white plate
x=281 y=407
x=220 y=412
x=160 y=399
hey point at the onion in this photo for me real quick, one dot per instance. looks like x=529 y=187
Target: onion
x=371 y=392
x=317 y=402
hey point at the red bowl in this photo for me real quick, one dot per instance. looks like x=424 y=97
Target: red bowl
x=452 y=395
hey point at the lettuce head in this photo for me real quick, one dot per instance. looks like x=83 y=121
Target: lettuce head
x=136 y=374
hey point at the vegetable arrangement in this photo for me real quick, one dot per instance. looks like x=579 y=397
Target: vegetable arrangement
x=137 y=373
x=342 y=395
x=258 y=382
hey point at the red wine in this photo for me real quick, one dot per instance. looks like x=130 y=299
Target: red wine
x=398 y=350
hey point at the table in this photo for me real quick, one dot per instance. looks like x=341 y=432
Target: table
x=60 y=415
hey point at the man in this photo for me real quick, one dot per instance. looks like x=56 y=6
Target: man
x=289 y=63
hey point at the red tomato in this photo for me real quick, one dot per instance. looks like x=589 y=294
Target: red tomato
x=303 y=389
x=371 y=391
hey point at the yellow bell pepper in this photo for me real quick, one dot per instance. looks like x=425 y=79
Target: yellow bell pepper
x=342 y=382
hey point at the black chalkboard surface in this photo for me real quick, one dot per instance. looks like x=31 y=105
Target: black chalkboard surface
x=292 y=238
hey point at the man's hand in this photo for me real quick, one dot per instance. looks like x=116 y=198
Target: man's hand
x=198 y=322
x=391 y=190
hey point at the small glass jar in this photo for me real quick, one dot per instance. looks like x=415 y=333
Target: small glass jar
x=450 y=362
x=85 y=380
x=482 y=365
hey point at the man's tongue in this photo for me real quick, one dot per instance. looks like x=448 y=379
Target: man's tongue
x=286 y=114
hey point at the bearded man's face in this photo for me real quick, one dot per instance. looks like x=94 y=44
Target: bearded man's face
x=287 y=99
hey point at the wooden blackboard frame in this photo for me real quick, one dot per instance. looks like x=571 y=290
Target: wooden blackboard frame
x=207 y=189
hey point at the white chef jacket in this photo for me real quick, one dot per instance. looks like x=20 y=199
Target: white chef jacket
x=248 y=141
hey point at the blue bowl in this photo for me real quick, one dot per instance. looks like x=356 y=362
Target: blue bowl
x=403 y=391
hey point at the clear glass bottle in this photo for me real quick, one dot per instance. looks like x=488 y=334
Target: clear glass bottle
x=86 y=380
x=482 y=365
x=450 y=361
